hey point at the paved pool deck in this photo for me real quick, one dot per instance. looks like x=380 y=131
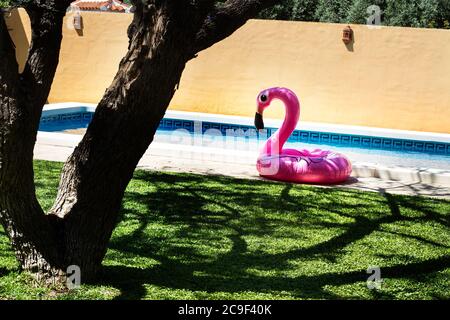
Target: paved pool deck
x=241 y=164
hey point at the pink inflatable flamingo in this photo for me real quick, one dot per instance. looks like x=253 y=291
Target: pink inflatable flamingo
x=276 y=163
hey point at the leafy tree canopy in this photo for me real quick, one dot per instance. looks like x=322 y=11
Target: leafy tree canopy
x=405 y=13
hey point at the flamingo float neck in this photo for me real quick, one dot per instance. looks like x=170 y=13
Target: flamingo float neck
x=275 y=143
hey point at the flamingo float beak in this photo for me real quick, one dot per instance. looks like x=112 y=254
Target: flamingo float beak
x=259 y=122
x=262 y=102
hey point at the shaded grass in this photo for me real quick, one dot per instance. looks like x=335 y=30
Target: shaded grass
x=184 y=236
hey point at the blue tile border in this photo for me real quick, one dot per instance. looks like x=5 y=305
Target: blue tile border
x=58 y=122
x=338 y=139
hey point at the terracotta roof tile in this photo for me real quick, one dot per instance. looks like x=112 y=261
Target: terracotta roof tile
x=102 y=5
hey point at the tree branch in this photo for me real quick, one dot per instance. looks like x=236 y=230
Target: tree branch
x=205 y=6
x=223 y=20
x=43 y=56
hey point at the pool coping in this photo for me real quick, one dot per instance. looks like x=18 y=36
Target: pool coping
x=360 y=169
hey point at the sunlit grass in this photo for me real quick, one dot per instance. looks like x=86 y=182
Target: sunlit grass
x=184 y=236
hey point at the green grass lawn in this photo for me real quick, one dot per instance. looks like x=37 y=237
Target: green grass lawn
x=184 y=236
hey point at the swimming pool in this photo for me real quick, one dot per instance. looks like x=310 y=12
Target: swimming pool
x=378 y=146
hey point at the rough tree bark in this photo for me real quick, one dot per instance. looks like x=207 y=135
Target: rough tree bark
x=164 y=36
x=22 y=96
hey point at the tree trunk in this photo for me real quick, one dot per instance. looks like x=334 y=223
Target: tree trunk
x=32 y=234
x=95 y=176
x=164 y=35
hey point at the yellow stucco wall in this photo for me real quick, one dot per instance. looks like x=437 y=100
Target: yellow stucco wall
x=391 y=77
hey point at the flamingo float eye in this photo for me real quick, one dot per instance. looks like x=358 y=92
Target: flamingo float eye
x=263 y=98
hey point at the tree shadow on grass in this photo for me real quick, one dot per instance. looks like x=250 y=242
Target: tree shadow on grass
x=312 y=287
x=4 y=271
x=209 y=209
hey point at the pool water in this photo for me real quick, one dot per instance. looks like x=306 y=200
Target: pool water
x=253 y=145
x=244 y=140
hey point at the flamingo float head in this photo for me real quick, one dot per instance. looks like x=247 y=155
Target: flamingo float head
x=263 y=101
